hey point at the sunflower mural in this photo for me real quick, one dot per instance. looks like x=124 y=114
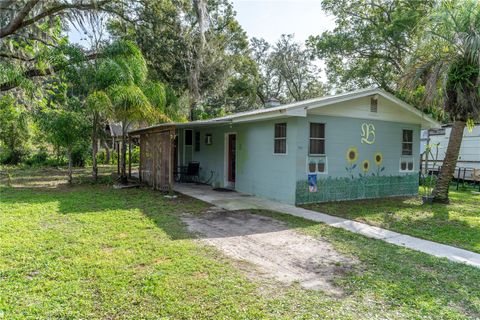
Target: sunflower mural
x=352 y=157
x=378 y=161
x=365 y=166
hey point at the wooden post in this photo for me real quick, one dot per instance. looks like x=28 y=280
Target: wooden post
x=155 y=158
x=140 y=140
x=170 y=161
x=129 y=157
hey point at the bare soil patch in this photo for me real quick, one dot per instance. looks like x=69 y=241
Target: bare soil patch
x=275 y=250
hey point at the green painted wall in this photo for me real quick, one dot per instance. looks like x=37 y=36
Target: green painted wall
x=284 y=177
x=211 y=157
x=259 y=170
x=347 y=179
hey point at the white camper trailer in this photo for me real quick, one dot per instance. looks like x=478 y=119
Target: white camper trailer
x=469 y=156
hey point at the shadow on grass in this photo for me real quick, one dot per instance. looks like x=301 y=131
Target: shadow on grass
x=98 y=199
x=399 y=278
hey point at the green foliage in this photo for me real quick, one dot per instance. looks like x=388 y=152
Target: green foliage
x=287 y=72
x=370 y=41
x=43 y=158
x=65 y=129
x=211 y=66
x=446 y=59
x=14 y=130
x=129 y=103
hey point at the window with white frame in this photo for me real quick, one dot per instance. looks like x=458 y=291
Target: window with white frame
x=407 y=159
x=280 y=139
x=317 y=139
x=407 y=142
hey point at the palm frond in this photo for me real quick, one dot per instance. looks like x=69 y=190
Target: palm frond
x=130 y=103
x=99 y=101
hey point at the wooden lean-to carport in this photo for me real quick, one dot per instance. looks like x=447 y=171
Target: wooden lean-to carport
x=156 y=156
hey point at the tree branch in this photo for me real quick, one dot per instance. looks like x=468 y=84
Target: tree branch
x=11 y=56
x=32 y=73
x=19 y=21
x=19 y=18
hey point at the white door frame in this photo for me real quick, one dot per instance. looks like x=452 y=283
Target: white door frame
x=184 y=144
x=227 y=183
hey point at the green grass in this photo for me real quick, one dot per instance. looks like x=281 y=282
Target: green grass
x=89 y=251
x=395 y=282
x=456 y=224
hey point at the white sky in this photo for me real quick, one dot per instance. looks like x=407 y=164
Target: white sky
x=269 y=19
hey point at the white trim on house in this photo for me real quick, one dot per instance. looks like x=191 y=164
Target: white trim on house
x=299 y=109
x=275 y=139
x=184 y=144
x=226 y=183
x=407 y=159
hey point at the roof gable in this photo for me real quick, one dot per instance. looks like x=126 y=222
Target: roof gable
x=355 y=104
x=392 y=109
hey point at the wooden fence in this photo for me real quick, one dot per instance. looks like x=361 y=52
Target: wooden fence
x=156 y=158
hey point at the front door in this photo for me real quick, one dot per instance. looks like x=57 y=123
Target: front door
x=231 y=157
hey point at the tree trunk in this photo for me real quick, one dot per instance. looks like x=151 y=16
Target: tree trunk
x=123 y=175
x=440 y=193
x=70 y=165
x=107 y=152
x=94 y=154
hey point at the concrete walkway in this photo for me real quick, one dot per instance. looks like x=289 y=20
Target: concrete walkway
x=239 y=201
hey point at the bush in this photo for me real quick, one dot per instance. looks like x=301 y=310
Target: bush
x=43 y=158
x=12 y=157
x=80 y=154
x=135 y=155
x=38 y=158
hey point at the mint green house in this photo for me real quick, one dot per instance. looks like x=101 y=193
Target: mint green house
x=355 y=145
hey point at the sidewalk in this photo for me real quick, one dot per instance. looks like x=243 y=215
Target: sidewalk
x=239 y=201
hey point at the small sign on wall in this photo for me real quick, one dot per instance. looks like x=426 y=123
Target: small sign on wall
x=312 y=182
x=208 y=139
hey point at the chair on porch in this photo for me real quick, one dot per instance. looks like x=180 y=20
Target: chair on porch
x=189 y=173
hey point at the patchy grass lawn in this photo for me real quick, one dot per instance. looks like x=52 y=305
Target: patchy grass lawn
x=89 y=251
x=456 y=224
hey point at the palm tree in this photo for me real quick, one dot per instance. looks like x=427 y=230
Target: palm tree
x=446 y=64
x=98 y=106
x=111 y=87
x=129 y=104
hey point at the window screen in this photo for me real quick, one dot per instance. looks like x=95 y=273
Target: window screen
x=317 y=138
x=280 y=143
x=407 y=143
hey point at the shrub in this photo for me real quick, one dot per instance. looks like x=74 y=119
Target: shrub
x=12 y=157
x=80 y=154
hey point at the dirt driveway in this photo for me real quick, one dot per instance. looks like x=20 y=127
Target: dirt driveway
x=276 y=251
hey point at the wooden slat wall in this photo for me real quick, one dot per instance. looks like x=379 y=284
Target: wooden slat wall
x=156 y=154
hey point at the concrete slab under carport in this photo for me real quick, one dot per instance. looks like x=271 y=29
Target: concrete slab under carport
x=231 y=200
